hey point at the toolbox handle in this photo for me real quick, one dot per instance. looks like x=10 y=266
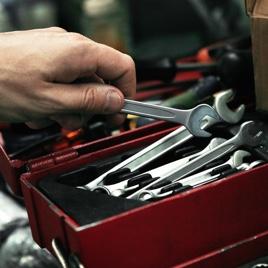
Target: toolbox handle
x=65 y=261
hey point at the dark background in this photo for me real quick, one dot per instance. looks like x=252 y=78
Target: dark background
x=143 y=28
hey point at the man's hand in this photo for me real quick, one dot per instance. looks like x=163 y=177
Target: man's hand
x=37 y=71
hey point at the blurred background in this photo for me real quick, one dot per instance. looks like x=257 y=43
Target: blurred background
x=144 y=29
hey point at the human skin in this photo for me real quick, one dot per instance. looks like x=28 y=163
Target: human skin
x=39 y=74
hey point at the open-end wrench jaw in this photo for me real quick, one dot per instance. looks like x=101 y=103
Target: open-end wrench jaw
x=195 y=121
x=216 y=142
x=225 y=113
x=228 y=115
x=238 y=157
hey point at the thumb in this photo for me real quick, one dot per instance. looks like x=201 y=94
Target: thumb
x=92 y=98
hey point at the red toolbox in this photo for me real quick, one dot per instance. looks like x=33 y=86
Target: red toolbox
x=222 y=224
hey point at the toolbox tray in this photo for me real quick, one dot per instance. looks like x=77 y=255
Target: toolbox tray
x=222 y=224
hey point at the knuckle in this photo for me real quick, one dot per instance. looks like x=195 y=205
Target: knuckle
x=57 y=29
x=76 y=37
x=81 y=48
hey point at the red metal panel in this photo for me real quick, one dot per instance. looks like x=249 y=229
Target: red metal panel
x=108 y=151
x=41 y=211
x=182 y=228
x=9 y=170
x=233 y=255
x=153 y=128
x=178 y=229
x=47 y=220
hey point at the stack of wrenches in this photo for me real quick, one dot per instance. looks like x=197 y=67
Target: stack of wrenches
x=126 y=179
x=130 y=167
x=129 y=184
x=233 y=165
x=248 y=136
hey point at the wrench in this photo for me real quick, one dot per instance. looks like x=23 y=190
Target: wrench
x=254 y=164
x=147 y=195
x=133 y=183
x=145 y=156
x=243 y=138
x=229 y=116
x=191 y=119
x=174 y=139
x=225 y=113
x=235 y=161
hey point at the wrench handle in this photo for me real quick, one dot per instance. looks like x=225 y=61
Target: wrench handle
x=158 y=148
x=155 y=111
x=203 y=160
x=194 y=165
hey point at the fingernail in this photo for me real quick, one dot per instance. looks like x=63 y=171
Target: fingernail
x=113 y=102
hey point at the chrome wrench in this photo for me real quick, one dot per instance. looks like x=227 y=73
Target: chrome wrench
x=148 y=195
x=246 y=136
x=130 y=184
x=235 y=161
x=191 y=119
